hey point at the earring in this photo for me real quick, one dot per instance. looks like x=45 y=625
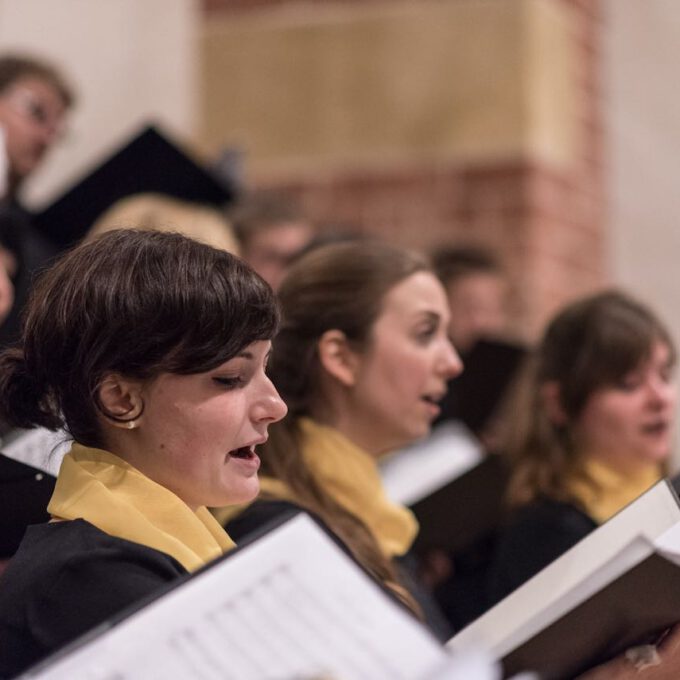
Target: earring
x=131 y=424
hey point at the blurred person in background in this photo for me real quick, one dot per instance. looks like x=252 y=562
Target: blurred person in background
x=271 y=232
x=589 y=430
x=160 y=212
x=477 y=291
x=34 y=102
x=361 y=360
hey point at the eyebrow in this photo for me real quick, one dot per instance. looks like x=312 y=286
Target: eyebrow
x=429 y=315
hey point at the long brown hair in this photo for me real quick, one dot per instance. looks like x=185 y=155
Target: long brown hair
x=592 y=343
x=336 y=287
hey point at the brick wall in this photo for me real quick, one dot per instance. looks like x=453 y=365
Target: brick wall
x=547 y=222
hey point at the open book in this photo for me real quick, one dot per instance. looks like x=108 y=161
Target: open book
x=617 y=587
x=290 y=605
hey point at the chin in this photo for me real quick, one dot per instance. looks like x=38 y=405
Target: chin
x=244 y=494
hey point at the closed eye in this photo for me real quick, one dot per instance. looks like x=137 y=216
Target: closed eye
x=230 y=382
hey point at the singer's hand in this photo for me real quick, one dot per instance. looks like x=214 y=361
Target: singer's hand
x=667 y=666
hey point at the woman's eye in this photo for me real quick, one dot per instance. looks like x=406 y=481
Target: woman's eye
x=230 y=382
x=629 y=383
x=424 y=335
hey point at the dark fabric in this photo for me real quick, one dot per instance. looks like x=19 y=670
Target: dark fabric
x=32 y=253
x=536 y=535
x=24 y=495
x=67 y=578
x=261 y=513
x=407 y=568
x=475 y=395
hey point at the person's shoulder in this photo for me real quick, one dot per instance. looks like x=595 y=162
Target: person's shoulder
x=536 y=534
x=259 y=517
x=67 y=578
x=58 y=551
x=548 y=513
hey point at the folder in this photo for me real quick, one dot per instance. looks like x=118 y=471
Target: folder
x=452 y=486
x=150 y=161
x=475 y=395
x=618 y=587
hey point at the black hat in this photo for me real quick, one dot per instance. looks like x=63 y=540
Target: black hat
x=148 y=163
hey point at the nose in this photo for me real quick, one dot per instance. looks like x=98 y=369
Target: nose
x=662 y=393
x=450 y=364
x=269 y=407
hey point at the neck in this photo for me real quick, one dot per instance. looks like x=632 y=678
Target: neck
x=360 y=433
x=623 y=466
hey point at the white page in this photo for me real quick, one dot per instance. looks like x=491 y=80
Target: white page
x=291 y=605
x=546 y=596
x=668 y=544
x=415 y=472
x=40 y=448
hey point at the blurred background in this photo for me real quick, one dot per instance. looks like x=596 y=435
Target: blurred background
x=545 y=129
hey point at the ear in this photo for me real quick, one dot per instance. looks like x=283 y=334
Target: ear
x=337 y=357
x=121 y=398
x=552 y=403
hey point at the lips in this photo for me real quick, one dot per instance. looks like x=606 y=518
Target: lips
x=431 y=401
x=657 y=428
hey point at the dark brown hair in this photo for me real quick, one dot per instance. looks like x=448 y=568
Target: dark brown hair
x=592 y=343
x=138 y=303
x=16 y=66
x=340 y=287
x=453 y=262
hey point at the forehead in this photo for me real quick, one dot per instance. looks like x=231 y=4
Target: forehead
x=41 y=89
x=479 y=282
x=420 y=293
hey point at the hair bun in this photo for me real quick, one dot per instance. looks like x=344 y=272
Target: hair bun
x=23 y=400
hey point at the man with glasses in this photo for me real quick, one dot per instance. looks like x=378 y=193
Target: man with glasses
x=34 y=102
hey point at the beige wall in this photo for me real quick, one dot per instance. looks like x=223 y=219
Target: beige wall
x=642 y=52
x=130 y=61
x=304 y=87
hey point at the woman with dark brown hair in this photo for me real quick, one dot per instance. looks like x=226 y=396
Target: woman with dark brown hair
x=150 y=349
x=362 y=358
x=590 y=429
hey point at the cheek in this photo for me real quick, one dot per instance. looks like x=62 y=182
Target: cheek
x=608 y=422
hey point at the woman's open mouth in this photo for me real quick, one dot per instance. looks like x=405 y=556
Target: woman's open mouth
x=244 y=452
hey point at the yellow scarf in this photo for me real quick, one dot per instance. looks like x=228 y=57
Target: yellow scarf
x=106 y=491
x=350 y=476
x=613 y=489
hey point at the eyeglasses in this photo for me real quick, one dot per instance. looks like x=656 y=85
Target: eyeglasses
x=29 y=105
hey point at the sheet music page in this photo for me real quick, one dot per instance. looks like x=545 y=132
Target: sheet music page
x=40 y=448
x=668 y=544
x=416 y=471
x=291 y=605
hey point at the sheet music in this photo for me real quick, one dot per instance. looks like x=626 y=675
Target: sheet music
x=417 y=471
x=40 y=448
x=291 y=605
